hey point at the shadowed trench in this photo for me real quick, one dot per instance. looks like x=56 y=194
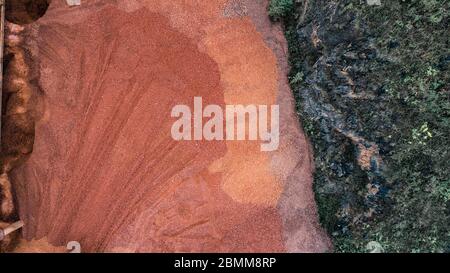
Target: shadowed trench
x=25 y=11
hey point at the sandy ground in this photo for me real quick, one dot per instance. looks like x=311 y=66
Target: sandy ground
x=105 y=170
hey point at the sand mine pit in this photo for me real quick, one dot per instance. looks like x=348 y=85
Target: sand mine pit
x=104 y=170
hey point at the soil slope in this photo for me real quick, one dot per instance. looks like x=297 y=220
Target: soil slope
x=105 y=170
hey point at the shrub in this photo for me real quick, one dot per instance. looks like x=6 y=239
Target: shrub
x=278 y=9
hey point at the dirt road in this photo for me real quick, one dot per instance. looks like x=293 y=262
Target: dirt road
x=105 y=170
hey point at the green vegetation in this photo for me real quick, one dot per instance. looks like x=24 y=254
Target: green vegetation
x=412 y=67
x=280 y=8
x=418 y=86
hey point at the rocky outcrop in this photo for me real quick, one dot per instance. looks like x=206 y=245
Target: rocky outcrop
x=336 y=94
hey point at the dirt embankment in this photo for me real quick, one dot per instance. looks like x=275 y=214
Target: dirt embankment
x=17 y=121
x=105 y=170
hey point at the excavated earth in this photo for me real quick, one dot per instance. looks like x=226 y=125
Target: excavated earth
x=105 y=170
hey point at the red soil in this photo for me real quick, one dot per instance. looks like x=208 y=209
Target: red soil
x=105 y=170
